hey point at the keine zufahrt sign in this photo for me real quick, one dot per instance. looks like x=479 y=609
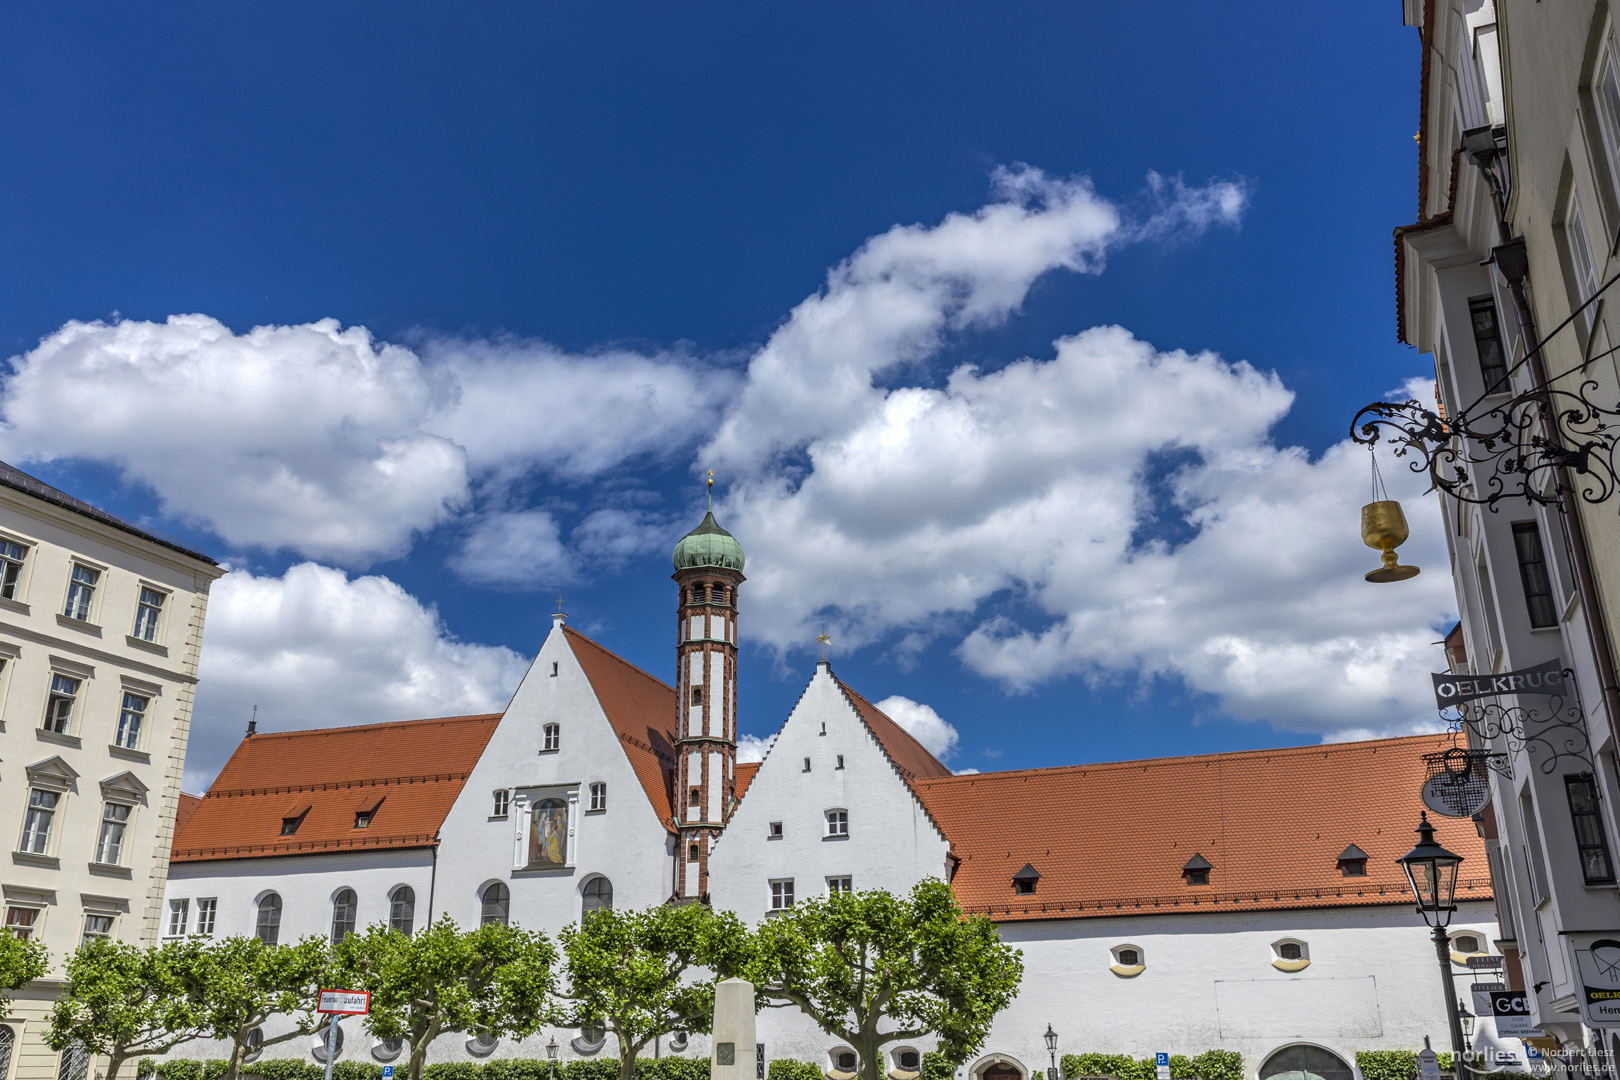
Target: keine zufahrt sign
x=344 y=1002
x=1452 y=690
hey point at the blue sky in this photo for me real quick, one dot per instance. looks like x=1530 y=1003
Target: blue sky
x=537 y=207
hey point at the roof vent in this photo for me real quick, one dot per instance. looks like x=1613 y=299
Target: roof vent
x=1024 y=881
x=1196 y=871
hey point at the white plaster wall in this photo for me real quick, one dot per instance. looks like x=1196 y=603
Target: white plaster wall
x=307 y=884
x=892 y=843
x=1373 y=983
x=626 y=842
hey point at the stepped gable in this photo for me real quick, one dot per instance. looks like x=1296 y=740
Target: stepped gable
x=745 y=776
x=907 y=754
x=643 y=710
x=1111 y=840
x=409 y=771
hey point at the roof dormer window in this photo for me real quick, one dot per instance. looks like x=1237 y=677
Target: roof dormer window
x=1196 y=871
x=293 y=818
x=1024 y=881
x=365 y=812
x=1353 y=862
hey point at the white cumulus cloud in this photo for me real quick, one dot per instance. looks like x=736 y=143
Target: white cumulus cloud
x=753 y=748
x=316 y=648
x=923 y=723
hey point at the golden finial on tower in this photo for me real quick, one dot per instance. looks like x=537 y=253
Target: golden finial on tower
x=825 y=641
x=711 y=489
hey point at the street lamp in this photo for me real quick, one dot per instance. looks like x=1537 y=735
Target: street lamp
x=1051 y=1050
x=1467 y=1020
x=551 y=1056
x=1431 y=870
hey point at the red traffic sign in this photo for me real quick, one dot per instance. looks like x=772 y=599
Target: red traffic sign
x=345 y=1002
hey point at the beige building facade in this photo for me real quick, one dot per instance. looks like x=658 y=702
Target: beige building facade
x=1502 y=279
x=101 y=628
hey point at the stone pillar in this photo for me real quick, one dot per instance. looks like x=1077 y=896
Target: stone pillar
x=731 y=1056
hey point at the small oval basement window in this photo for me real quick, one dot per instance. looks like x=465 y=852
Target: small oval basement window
x=845 y=1060
x=1465 y=943
x=1129 y=957
x=1289 y=950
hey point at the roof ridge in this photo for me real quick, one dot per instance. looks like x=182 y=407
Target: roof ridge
x=1219 y=755
x=336 y=785
x=898 y=726
x=262 y=736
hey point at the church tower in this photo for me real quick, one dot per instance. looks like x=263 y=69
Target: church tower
x=708 y=570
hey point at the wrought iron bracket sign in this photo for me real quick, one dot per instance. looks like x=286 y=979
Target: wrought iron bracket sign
x=1504 y=452
x=1548 y=734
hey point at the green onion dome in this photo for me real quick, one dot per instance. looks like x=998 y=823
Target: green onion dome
x=708 y=545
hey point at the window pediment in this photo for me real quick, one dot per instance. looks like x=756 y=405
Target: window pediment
x=53 y=773
x=125 y=784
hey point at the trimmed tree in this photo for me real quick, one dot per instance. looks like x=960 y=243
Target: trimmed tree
x=636 y=973
x=495 y=979
x=853 y=961
x=22 y=960
x=241 y=983
x=127 y=1002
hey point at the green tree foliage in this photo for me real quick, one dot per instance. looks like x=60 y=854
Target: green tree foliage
x=22 y=960
x=241 y=982
x=494 y=979
x=635 y=973
x=853 y=960
x=126 y=1002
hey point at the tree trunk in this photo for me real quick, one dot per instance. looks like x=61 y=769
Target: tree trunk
x=419 y=1048
x=114 y=1063
x=869 y=1050
x=627 y=1055
x=233 y=1067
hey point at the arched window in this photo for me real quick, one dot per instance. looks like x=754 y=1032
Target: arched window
x=497 y=905
x=598 y=894
x=269 y=924
x=1305 y=1063
x=8 y=1042
x=388 y=1049
x=255 y=1044
x=343 y=905
x=75 y=1063
x=402 y=910
x=319 y=1049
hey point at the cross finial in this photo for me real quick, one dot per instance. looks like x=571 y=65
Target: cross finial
x=825 y=641
x=558 y=616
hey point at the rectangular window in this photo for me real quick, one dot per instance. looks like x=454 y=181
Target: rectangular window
x=59 y=706
x=110 y=847
x=1488 y=343
x=1596 y=866
x=1580 y=255
x=12 y=557
x=131 y=719
x=20 y=921
x=1538 y=597
x=806 y=765
x=598 y=796
x=503 y=799
x=781 y=895
x=179 y=915
x=81 y=593
x=553 y=736
x=97 y=926
x=840 y=764
x=205 y=915
x=1606 y=93
x=775 y=831
x=838 y=823
x=694 y=797
x=694 y=852
x=697 y=695
x=836 y=885
x=147 y=613
x=37 y=826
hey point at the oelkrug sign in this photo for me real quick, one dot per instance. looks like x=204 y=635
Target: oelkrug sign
x=1452 y=690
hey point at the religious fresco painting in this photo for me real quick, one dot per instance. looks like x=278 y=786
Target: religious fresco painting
x=548 y=833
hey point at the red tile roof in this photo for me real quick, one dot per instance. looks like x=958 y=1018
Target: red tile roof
x=745 y=776
x=187 y=806
x=643 y=711
x=416 y=767
x=1111 y=839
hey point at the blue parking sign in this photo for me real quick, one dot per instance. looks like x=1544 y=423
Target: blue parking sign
x=388 y=1072
x=1161 y=1059
x=1161 y=1063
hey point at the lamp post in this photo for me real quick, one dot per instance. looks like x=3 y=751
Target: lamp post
x=1051 y=1050
x=1466 y=1018
x=1431 y=870
x=551 y=1056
